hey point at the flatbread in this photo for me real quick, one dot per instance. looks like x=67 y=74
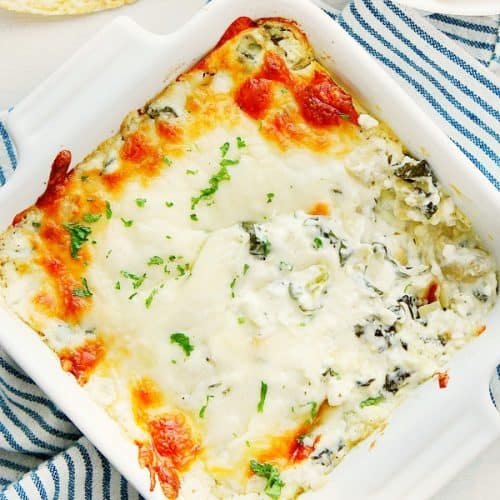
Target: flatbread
x=61 y=7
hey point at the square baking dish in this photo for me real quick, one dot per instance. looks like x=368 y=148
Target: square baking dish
x=435 y=432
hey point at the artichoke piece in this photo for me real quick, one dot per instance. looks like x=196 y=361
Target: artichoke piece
x=296 y=53
x=411 y=172
x=249 y=48
x=166 y=111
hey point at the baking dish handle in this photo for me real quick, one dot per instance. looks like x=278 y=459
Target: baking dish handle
x=74 y=109
x=430 y=439
x=51 y=101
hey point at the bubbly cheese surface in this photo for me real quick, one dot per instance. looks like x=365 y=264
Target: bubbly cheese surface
x=251 y=275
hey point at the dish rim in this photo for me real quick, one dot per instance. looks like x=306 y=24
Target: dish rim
x=112 y=443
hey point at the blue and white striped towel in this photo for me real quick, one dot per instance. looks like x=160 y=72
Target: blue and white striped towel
x=446 y=63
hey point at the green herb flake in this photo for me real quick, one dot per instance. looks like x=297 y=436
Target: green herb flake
x=371 y=401
x=232 y=285
x=191 y=172
x=84 y=177
x=344 y=116
x=269 y=197
x=156 y=260
x=183 y=341
x=240 y=143
x=137 y=281
x=118 y=285
x=246 y=267
x=241 y=320
x=90 y=218
x=193 y=217
x=169 y=204
x=268 y=471
x=79 y=235
x=183 y=269
x=224 y=149
x=82 y=292
x=140 y=202
x=36 y=225
x=226 y=162
x=167 y=161
x=127 y=223
x=150 y=298
x=314 y=410
x=203 y=409
x=263 y=394
x=317 y=243
x=109 y=212
x=215 y=180
x=132 y=296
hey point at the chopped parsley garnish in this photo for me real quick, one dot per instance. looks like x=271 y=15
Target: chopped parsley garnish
x=167 y=161
x=117 y=285
x=226 y=162
x=191 y=172
x=240 y=143
x=317 y=243
x=263 y=394
x=136 y=280
x=82 y=292
x=314 y=410
x=241 y=320
x=156 y=260
x=109 y=212
x=79 y=235
x=194 y=217
x=269 y=197
x=183 y=341
x=132 y=296
x=224 y=149
x=371 y=401
x=268 y=471
x=140 y=202
x=127 y=223
x=232 y=285
x=169 y=204
x=183 y=269
x=203 y=409
x=150 y=298
x=84 y=177
x=246 y=267
x=90 y=218
x=345 y=116
x=215 y=180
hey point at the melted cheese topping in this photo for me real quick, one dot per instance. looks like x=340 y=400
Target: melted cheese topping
x=251 y=275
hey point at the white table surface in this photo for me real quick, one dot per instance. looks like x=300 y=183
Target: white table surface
x=32 y=47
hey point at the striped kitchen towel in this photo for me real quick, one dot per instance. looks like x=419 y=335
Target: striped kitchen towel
x=446 y=63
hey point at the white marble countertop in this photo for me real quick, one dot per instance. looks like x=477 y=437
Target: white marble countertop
x=32 y=47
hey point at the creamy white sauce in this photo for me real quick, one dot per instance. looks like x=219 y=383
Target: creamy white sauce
x=319 y=308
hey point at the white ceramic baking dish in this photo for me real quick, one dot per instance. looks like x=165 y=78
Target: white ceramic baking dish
x=436 y=432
